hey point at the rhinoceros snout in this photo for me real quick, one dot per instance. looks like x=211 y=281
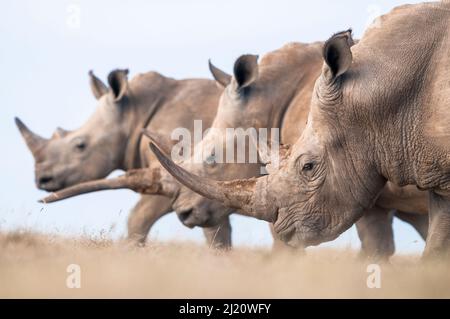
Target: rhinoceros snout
x=47 y=182
x=191 y=218
x=187 y=218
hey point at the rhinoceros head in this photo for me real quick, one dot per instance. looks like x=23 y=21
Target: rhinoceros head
x=256 y=96
x=90 y=152
x=240 y=95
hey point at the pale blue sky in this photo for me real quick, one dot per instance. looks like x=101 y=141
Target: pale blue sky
x=45 y=58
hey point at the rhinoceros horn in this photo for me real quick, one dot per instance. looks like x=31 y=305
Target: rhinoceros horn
x=245 y=195
x=144 y=181
x=34 y=141
x=60 y=133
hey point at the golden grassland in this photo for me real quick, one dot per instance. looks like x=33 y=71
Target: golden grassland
x=35 y=265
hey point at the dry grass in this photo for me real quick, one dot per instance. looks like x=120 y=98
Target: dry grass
x=33 y=265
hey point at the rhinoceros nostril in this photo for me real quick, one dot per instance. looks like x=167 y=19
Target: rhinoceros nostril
x=45 y=180
x=184 y=215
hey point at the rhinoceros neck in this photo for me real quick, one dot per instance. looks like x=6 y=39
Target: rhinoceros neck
x=407 y=75
x=143 y=104
x=287 y=76
x=292 y=120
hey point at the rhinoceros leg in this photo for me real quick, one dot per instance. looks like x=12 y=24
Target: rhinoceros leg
x=376 y=234
x=219 y=236
x=418 y=221
x=438 y=239
x=145 y=213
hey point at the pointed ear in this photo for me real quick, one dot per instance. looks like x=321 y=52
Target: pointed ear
x=337 y=53
x=245 y=70
x=97 y=86
x=118 y=82
x=220 y=76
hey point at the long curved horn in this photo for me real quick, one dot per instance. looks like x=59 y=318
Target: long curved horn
x=143 y=181
x=34 y=141
x=239 y=194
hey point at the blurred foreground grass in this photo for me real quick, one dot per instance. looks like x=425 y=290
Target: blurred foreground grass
x=35 y=265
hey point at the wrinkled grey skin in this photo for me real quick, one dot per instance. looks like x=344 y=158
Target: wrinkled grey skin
x=111 y=139
x=370 y=122
x=379 y=113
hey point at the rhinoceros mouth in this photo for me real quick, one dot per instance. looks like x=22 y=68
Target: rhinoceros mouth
x=298 y=235
x=290 y=237
x=210 y=221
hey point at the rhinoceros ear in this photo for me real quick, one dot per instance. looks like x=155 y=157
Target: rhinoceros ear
x=245 y=70
x=337 y=53
x=220 y=76
x=118 y=82
x=97 y=86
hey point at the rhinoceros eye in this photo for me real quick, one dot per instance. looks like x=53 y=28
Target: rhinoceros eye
x=80 y=145
x=308 y=166
x=210 y=160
